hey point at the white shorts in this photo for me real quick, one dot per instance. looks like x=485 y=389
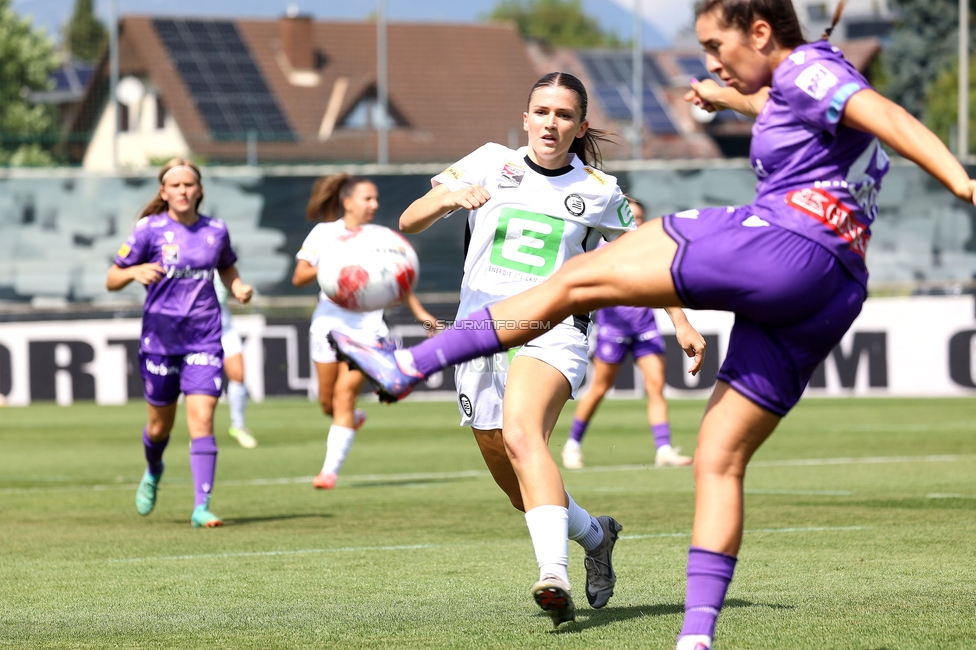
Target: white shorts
x=481 y=382
x=231 y=341
x=323 y=323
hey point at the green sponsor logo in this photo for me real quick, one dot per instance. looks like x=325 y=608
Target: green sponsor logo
x=624 y=214
x=527 y=242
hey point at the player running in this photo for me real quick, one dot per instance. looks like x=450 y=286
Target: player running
x=174 y=252
x=620 y=330
x=343 y=204
x=531 y=211
x=790 y=265
x=233 y=346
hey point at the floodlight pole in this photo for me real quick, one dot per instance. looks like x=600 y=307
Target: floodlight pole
x=382 y=141
x=962 y=139
x=113 y=78
x=637 y=84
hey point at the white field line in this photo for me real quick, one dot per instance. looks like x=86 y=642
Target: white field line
x=481 y=473
x=812 y=529
x=306 y=551
x=412 y=547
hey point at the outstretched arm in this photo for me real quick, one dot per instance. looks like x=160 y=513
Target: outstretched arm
x=438 y=202
x=868 y=111
x=424 y=317
x=688 y=338
x=712 y=97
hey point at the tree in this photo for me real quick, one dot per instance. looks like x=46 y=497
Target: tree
x=942 y=107
x=86 y=35
x=561 y=23
x=26 y=60
x=923 y=44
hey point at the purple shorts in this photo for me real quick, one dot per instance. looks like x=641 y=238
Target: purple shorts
x=167 y=375
x=793 y=300
x=612 y=345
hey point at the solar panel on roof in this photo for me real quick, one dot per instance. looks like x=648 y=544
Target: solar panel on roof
x=223 y=80
x=611 y=73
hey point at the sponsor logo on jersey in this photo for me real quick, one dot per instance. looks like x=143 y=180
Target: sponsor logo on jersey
x=816 y=81
x=171 y=254
x=574 y=203
x=755 y=221
x=124 y=250
x=466 y=405
x=799 y=58
x=211 y=241
x=453 y=172
x=189 y=274
x=512 y=176
x=828 y=210
x=595 y=175
x=624 y=213
x=527 y=242
x=169 y=236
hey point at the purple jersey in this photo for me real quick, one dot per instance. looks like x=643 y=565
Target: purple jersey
x=817 y=178
x=181 y=314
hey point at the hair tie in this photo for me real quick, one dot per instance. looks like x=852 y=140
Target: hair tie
x=174 y=168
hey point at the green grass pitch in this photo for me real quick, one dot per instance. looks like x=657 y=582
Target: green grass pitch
x=860 y=533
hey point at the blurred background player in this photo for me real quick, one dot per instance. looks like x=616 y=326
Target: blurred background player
x=174 y=252
x=342 y=203
x=230 y=341
x=551 y=203
x=620 y=330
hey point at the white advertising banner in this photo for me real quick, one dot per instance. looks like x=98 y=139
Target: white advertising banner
x=904 y=347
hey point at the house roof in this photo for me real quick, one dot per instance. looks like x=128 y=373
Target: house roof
x=454 y=87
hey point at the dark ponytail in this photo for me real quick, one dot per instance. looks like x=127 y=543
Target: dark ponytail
x=586 y=148
x=328 y=192
x=741 y=14
x=834 y=21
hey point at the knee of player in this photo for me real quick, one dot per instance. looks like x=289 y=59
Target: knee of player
x=717 y=463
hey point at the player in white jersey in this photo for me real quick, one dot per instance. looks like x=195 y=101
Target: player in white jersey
x=356 y=200
x=230 y=341
x=530 y=211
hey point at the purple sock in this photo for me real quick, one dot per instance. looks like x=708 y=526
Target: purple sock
x=662 y=434
x=154 y=453
x=203 y=464
x=469 y=338
x=577 y=430
x=709 y=575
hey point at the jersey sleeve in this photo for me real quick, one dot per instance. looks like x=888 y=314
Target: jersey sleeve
x=310 y=247
x=470 y=170
x=227 y=255
x=818 y=91
x=135 y=250
x=617 y=217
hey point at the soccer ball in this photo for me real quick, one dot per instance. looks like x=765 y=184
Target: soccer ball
x=368 y=269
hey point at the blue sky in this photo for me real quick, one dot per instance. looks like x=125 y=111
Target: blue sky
x=663 y=18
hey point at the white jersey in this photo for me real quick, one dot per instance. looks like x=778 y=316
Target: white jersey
x=319 y=241
x=535 y=220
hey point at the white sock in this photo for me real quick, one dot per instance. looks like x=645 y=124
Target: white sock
x=337 y=447
x=572 y=444
x=548 y=528
x=583 y=528
x=663 y=449
x=237 y=396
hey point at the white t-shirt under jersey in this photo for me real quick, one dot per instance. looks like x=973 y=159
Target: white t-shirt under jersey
x=535 y=220
x=318 y=242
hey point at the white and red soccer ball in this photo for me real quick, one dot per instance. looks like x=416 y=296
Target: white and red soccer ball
x=370 y=268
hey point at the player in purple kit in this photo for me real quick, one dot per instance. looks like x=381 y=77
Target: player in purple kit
x=791 y=265
x=620 y=330
x=175 y=252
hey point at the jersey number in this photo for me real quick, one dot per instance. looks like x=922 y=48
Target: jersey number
x=527 y=242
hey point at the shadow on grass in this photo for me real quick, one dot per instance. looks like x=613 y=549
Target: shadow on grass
x=590 y=618
x=243 y=521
